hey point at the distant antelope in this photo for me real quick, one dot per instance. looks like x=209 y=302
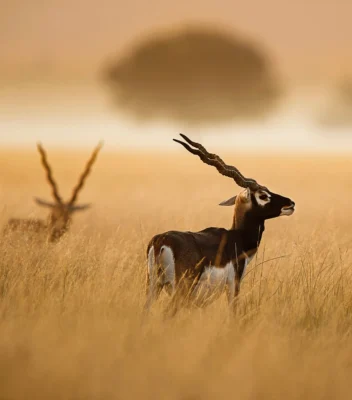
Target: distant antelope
x=60 y=215
x=196 y=267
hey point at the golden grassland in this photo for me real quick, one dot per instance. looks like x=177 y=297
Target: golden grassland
x=70 y=314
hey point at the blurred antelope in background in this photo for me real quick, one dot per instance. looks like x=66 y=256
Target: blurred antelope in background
x=196 y=267
x=61 y=212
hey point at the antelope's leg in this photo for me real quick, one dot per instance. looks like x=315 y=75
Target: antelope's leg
x=172 y=307
x=230 y=292
x=180 y=298
x=237 y=285
x=233 y=289
x=149 y=292
x=152 y=293
x=153 y=286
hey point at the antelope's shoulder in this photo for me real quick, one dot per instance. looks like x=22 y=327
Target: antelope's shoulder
x=210 y=236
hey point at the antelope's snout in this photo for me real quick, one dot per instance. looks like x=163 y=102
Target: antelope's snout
x=288 y=210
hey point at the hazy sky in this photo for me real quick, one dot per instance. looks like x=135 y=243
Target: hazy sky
x=310 y=39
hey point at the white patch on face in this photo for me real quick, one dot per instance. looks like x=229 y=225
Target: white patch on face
x=262 y=197
x=167 y=264
x=212 y=283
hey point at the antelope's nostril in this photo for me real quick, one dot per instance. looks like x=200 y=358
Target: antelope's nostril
x=293 y=203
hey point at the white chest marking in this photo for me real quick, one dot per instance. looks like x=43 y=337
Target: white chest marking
x=212 y=282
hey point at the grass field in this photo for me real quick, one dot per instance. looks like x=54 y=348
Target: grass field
x=70 y=314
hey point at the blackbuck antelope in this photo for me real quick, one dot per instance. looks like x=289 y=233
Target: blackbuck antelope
x=196 y=267
x=61 y=212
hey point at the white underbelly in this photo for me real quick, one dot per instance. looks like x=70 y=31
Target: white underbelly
x=212 y=283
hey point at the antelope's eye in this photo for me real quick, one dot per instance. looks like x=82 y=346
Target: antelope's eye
x=263 y=197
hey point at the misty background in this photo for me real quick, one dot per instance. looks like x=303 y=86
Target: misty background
x=274 y=75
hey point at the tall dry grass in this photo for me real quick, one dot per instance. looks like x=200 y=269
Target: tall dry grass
x=70 y=314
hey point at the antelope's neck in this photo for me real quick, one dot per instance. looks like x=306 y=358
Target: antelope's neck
x=251 y=228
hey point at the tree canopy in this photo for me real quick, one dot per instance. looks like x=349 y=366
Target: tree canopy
x=197 y=76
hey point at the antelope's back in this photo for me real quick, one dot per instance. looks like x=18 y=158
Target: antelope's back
x=17 y=224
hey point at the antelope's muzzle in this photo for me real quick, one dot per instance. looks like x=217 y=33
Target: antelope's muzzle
x=288 y=210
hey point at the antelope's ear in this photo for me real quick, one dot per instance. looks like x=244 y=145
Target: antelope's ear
x=229 y=202
x=44 y=203
x=81 y=207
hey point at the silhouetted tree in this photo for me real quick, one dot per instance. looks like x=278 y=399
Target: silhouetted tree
x=198 y=76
